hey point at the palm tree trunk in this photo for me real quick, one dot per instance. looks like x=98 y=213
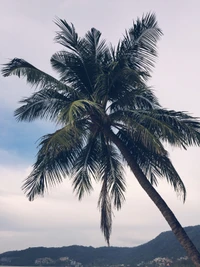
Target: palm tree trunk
x=176 y=227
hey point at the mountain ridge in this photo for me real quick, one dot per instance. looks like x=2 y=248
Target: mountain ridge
x=164 y=245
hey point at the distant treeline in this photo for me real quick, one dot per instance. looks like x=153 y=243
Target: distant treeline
x=164 y=245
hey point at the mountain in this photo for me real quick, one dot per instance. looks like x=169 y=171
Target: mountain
x=164 y=245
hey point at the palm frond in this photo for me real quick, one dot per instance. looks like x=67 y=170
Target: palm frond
x=186 y=127
x=110 y=165
x=55 y=159
x=104 y=204
x=85 y=52
x=86 y=166
x=34 y=76
x=68 y=65
x=138 y=48
x=82 y=182
x=67 y=36
x=176 y=128
x=73 y=71
x=79 y=109
x=162 y=167
x=138 y=131
x=46 y=103
x=153 y=164
x=96 y=48
x=113 y=184
x=135 y=98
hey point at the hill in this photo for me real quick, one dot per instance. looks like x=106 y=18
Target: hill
x=164 y=245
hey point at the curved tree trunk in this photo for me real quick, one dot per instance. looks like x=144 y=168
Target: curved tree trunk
x=176 y=227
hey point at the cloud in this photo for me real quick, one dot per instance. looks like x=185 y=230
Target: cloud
x=60 y=219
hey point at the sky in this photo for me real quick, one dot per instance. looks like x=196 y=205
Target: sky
x=59 y=219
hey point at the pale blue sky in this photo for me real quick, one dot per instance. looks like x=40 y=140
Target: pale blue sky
x=27 y=31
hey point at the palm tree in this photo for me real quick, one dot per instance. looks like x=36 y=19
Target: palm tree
x=108 y=116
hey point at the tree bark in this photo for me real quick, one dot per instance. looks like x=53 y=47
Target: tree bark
x=176 y=227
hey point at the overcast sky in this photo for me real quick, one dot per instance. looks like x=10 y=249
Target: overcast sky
x=27 y=31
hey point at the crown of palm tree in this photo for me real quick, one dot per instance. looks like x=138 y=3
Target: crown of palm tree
x=100 y=89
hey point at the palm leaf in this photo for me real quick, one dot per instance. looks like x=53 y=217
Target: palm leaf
x=138 y=48
x=34 y=76
x=96 y=48
x=79 y=109
x=73 y=71
x=104 y=204
x=113 y=184
x=153 y=164
x=67 y=36
x=110 y=165
x=141 y=97
x=55 y=159
x=86 y=166
x=138 y=131
x=46 y=103
x=176 y=128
